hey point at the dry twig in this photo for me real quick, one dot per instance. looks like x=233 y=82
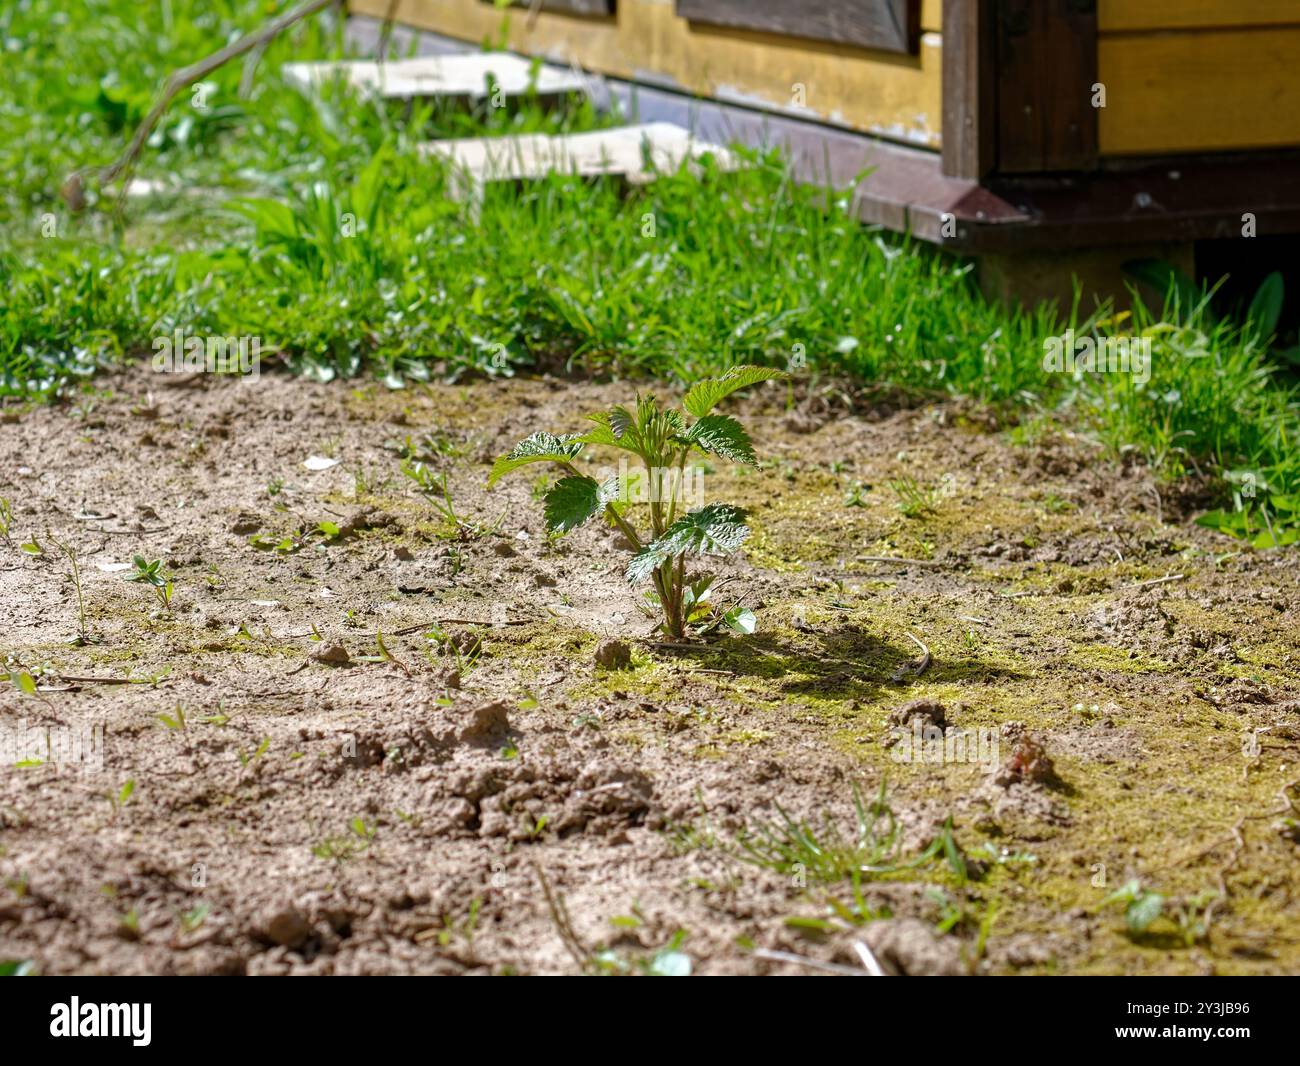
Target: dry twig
x=176 y=81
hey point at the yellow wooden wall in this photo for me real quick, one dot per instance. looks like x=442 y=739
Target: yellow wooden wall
x=1198 y=75
x=1180 y=75
x=891 y=96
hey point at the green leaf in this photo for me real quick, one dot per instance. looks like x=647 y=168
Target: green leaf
x=705 y=395
x=1266 y=307
x=698 y=593
x=653 y=421
x=1225 y=521
x=741 y=620
x=539 y=448
x=620 y=420
x=272 y=218
x=1143 y=911
x=717 y=529
x=602 y=434
x=572 y=500
x=723 y=435
x=1275 y=538
x=670 y=964
x=25 y=682
x=1126 y=893
x=17 y=968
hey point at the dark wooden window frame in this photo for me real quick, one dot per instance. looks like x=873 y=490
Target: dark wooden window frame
x=885 y=25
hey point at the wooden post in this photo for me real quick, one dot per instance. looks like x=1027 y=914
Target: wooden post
x=1046 y=57
x=969 y=82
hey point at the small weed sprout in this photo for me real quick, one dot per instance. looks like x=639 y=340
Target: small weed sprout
x=21 y=679
x=856 y=496
x=452 y=927
x=384 y=656
x=195 y=917
x=914 y=500
x=119 y=799
x=663 y=439
x=178 y=722
x=465 y=649
x=668 y=961
x=150 y=573
x=1141 y=907
x=434 y=489
x=826 y=855
x=262 y=749
x=68 y=550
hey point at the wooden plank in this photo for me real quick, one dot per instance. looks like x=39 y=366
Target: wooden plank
x=1115 y=16
x=888 y=25
x=1157 y=201
x=1046 y=55
x=1188 y=92
x=636 y=153
x=969 y=87
x=889 y=95
x=465 y=76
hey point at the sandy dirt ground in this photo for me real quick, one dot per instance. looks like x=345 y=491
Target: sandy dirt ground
x=363 y=740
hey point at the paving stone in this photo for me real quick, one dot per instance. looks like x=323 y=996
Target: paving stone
x=452 y=76
x=637 y=153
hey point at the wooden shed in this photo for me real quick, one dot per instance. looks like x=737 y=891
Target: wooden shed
x=1049 y=137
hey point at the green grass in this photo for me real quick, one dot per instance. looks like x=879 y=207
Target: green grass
x=826 y=854
x=683 y=277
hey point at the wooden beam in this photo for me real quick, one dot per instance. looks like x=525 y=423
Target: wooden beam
x=887 y=25
x=1047 y=66
x=1209 y=91
x=1161 y=15
x=969 y=83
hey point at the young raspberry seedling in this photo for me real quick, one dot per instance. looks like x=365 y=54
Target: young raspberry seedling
x=662 y=439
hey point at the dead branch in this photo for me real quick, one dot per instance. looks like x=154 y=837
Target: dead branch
x=891 y=560
x=563 y=925
x=176 y=81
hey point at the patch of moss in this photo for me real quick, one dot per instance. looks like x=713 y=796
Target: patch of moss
x=1119 y=660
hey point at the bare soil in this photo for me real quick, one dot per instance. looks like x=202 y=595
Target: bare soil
x=338 y=801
